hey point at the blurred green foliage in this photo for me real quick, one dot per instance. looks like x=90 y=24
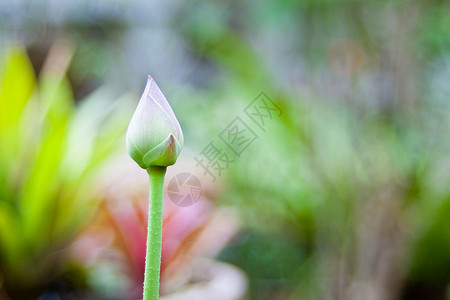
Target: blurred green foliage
x=51 y=150
x=350 y=193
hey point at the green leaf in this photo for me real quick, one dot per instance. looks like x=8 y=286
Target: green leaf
x=17 y=83
x=11 y=247
x=16 y=86
x=41 y=189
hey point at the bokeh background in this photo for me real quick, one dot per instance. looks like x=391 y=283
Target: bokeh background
x=344 y=194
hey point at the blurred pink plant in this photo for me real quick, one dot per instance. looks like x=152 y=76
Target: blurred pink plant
x=117 y=235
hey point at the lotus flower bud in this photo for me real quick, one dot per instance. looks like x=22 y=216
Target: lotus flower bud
x=154 y=136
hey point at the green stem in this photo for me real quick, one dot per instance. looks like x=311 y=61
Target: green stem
x=154 y=234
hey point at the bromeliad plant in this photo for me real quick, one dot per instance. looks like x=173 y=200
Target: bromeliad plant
x=154 y=141
x=51 y=152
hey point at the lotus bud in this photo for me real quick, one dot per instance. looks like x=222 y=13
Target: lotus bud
x=154 y=136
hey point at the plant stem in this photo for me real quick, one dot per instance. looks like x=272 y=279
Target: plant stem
x=154 y=233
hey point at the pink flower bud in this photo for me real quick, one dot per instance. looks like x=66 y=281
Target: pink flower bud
x=154 y=136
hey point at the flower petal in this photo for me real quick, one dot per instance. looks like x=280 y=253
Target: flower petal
x=153 y=91
x=149 y=125
x=165 y=154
